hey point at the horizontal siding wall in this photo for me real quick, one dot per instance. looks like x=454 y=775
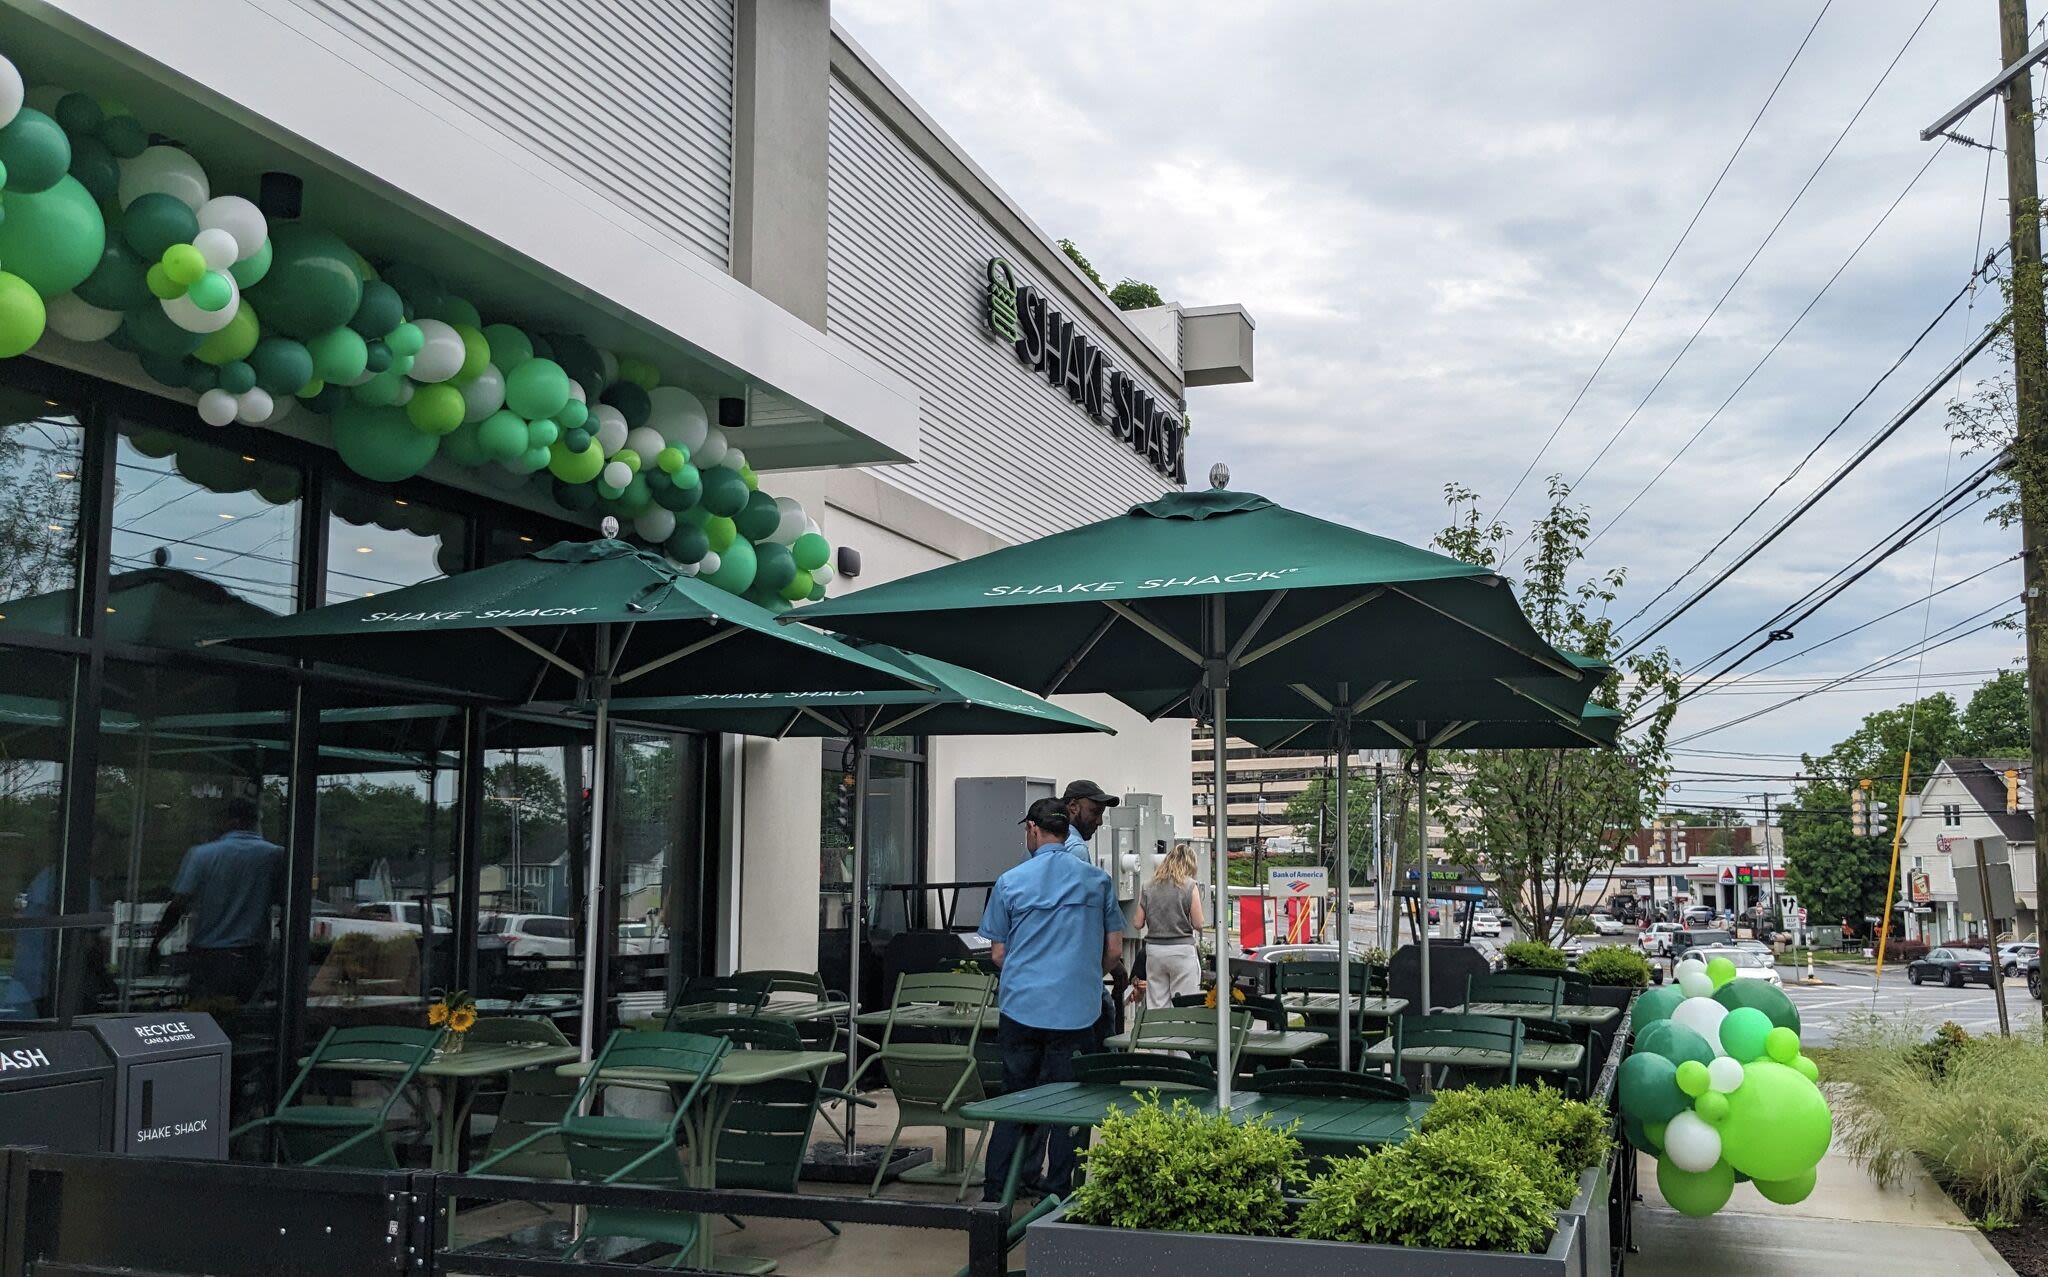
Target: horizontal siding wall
x=906 y=263
x=630 y=97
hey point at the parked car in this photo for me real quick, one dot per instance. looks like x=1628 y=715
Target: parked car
x=1757 y=945
x=1699 y=938
x=1700 y=915
x=384 y=919
x=1486 y=922
x=2034 y=976
x=1953 y=967
x=531 y=935
x=1656 y=939
x=2012 y=957
x=1749 y=963
x=1607 y=924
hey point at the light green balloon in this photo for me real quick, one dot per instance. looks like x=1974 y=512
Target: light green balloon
x=1697 y=1194
x=251 y=269
x=1805 y=1067
x=22 y=317
x=1692 y=1078
x=1744 y=1032
x=1711 y=1108
x=724 y=534
x=1721 y=971
x=1778 y=1123
x=1781 y=1043
x=1788 y=1192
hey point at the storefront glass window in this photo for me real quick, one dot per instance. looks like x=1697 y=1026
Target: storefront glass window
x=894 y=846
x=657 y=832
x=533 y=860
x=198 y=526
x=376 y=542
x=34 y=739
x=42 y=450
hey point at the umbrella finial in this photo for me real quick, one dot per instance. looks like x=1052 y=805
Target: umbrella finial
x=610 y=528
x=1219 y=475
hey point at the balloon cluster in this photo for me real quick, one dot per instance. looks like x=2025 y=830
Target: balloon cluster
x=1717 y=1088
x=107 y=234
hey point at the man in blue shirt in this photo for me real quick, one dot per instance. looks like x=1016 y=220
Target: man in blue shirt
x=1085 y=802
x=228 y=886
x=1056 y=929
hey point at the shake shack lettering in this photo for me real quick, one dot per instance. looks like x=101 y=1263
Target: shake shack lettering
x=1051 y=345
x=1149 y=583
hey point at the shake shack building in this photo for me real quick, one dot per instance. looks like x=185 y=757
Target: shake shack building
x=310 y=299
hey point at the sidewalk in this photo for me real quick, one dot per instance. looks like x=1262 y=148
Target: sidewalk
x=1849 y=1224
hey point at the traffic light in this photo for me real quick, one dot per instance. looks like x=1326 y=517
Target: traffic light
x=1859 y=809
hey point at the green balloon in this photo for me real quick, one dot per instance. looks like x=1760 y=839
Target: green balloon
x=236 y=376
x=748 y=477
x=799 y=587
x=153 y=332
x=156 y=223
x=1698 y=1194
x=406 y=340
x=721 y=531
x=502 y=435
x=678 y=497
x=460 y=445
x=251 y=269
x=95 y=168
x=80 y=113
x=53 y=239
x=312 y=285
x=1656 y=1004
x=537 y=388
x=383 y=390
x=811 y=551
x=21 y=315
x=773 y=568
x=509 y=346
x=1711 y=1108
x=671 y=459
x=1805 y=1067
x=211 y=292
x=184 y=265
x=1744 y=1032
x=339 y=354
x=1787 y=1192
x=580 y=360
x=35 y=152
x=380 y=444
x=1781 y=1044
x=1692 y=1078
x=124 y=136
x=437 y=409
x=380 y=310
x=1778 y=1123
x=687 y=544
x=1721 y=971
x=282 y=365
x=758 y=519
x=119 y=279
x=573 y=414
x=452 y=311
x=817 y=593
x=1761 y=994
x=631 y=401
x=1647 y=1087
x=476 y=353
x=736 y=566
x=725 y=493
x=237 y=340
x=575 y=465
x=635 y=497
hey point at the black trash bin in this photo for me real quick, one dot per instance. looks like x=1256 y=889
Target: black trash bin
x=171 y=1083
x=56 y=1091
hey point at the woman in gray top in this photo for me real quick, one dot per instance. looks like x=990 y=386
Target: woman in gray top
x=1170 y=914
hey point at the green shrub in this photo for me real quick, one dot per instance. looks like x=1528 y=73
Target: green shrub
x=1937 y=1053
x=1174 y=1170
x=1535 y=955
x=1451 y=1188
x=1616 y=964
x=1579 y=927
x=1572 y=1133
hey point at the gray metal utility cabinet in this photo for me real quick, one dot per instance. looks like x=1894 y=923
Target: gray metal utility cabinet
x=171 y=1079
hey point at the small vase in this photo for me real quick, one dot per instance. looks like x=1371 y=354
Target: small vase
x=453 y=1044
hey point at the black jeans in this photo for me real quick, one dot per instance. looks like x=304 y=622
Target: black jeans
x=1031 y=1057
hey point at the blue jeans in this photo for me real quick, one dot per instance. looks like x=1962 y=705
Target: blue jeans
x=1032 y=1057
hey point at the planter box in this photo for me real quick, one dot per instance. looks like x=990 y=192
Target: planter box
x=1611 y=995
x=1056 y=1248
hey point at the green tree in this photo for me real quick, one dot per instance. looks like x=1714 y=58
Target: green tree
x=1087 y=268
x=1543 y=822
x=1995 y=721
x=1313 y=814
x=1131 y=294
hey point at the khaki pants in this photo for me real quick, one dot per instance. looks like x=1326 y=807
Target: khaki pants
x=1170 y=971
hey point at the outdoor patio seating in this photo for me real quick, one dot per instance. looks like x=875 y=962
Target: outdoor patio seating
x=1516 y=986
x=1333 y=1083
x=1578 y=1083
x=1316 y=976
x=717 y=995
x=1144 y=1069
x=535 y=1101
x=931 y=1080
x=1182 y=1028
x=1482 y=1044
x=341 y=1134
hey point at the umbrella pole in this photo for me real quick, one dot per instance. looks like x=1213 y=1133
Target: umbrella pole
x=1343 y=743
x=857 y=747
x=1422 y=864
x=593 y=882
x=1216 y=676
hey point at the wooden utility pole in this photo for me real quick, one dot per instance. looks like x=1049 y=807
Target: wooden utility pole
x=2030 y=367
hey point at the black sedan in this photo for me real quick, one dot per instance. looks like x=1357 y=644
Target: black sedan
x=2034 y=976
x=1952 y=967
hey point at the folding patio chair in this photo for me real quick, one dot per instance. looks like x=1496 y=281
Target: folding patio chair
x=535 y=1101
x=1578 y=1084
x=1170 y=1028
x=1318 y=976
x=713 y=994
x=1334 y=1083
x=1145 y=1069
x=1453 y=1032
x=341 y=1134
x=931 y=1080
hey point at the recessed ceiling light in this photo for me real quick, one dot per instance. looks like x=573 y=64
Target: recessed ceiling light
x=66 y=474
x=528 y=540
x=227 y=516
x=396 y=501
x=362 y=549
x=199 y=558
x=247 y=457
x=110 y=611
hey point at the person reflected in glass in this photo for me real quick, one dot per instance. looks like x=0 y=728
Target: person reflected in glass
x=227 y=887
x=1169 y=913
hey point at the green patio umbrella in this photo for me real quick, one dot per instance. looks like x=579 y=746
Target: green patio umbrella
x=955 y=702
x=1214 y=595
x=569 y=624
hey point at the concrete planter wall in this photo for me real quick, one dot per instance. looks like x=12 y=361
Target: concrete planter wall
x=1056 y=1248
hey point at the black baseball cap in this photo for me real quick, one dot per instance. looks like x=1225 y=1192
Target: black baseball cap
x=1049 y=814
x=1090 y=790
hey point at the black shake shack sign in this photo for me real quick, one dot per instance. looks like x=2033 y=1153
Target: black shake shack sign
x=1048 y=343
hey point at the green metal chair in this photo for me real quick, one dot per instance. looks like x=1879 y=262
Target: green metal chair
x=1333 y=1083
x=1458 y=1030
x=1145 y=1069
x=931 y=1080
x=1578 y=1084
x=711 y=994
x=631 y=1150
x=1318 y=976
x=1161 y=1029
x=535 y=1101
x=341 y=1134
x=1516 y=986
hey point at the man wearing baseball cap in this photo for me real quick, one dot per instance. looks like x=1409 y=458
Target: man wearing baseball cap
x=1085 y=802
x=1056 y=928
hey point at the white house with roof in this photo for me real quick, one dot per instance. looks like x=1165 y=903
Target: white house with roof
x=1966 y=799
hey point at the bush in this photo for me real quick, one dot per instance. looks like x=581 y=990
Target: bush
x=1535 y=955
x=1572 y=1133
x=1174 y=1170
x=1616 y=964
x=1968 y=1125
x=1579 y=927
x=1935 y=1055
x=1904 y=951
x=1453 y=1188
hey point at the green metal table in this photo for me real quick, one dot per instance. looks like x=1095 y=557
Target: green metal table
x=700 y=1130
x=1276 y=1042
x=1539 y=1057
x=1067 y=1104
x=1576 y=1016
x=791 y=1011
x=1335 y=1123
x=1324 y=1005
x=448 y=1071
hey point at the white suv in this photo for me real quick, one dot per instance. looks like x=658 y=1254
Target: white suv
x=532 y=935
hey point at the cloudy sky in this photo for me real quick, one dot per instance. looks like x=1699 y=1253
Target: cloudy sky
x=1441 y=216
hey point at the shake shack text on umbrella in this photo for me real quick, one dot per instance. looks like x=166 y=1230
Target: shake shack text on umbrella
x=1149 y=583
x=495 y=614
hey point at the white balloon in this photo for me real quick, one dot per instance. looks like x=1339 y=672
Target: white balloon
x=822 y=574
x=733 y=459
x=679 y=416
x=164 y=169
x=239 y=218
x=710 y=452
x=1690 y=964
x=1724 y=1073
x=793 y=520
x=12 y=93
x=646 y=441
x=442 y=355
x=1703 y=1016
x=216 y=247
x=617 y=474
x=709 y=564
x=656 y=525
x=485 y=395
x=608 y=424
x=218 y=407
x=683 y=569
x=576 y=391
x=1692 y=1143
x=812 y=525
x=255 y=406
x=405 y=393
x=194 y=320
x=68 y=316
x=1696 y=984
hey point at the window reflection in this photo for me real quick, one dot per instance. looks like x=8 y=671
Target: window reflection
x=34 y=737
x=657 y=805
x=42 y=451
x=377 y=542
x=205 y=513
x=893 y=845
x=531 y=874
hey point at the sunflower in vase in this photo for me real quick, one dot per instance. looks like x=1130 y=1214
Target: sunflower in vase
x=1236 y=996
x=456 y=1009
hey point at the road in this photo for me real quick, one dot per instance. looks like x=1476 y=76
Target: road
x=1849 y=990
